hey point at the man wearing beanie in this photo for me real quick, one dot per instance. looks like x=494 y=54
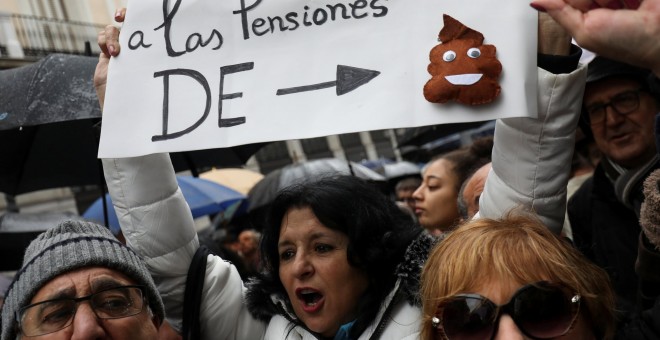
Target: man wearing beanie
x=78 y=281
x=619 y=108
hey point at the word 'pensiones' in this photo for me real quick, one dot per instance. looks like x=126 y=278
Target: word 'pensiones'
x=358 y=9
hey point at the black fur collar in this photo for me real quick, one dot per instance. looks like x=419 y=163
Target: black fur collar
x=410 y=269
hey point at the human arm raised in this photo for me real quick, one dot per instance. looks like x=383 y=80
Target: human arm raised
x=157 y=223
x=532 y=156
x=624 y=30
x=108 y=41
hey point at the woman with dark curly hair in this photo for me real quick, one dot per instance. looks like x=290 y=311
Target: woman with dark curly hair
x=334 y=252
x=341 y=260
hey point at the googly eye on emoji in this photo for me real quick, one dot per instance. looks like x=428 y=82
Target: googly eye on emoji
x=462 y=68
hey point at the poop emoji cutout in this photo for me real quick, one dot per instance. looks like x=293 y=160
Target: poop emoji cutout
x=462 y=68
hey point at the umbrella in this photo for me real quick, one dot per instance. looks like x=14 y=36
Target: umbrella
x=398 y=170
x=394 y=171
x=17 y=230
x=425 y=134
x=49 y=156
x=265 y=190
x=65 y=154
x=241 y=180
x=56 y=88
x=201 y=160
x=444 y=144
x=49 y=125
x=203 y=196
x=421 y=143
x=376 y=163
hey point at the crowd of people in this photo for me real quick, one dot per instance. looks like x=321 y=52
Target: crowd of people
x=487 y=255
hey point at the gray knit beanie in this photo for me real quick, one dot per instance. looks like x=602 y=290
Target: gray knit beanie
x=69 y=246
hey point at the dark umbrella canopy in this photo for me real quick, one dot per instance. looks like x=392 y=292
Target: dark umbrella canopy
x=425 y=134
x=203 y=160
x=49 y=130
x=393 y=171
x=420 y=144
x=266 y=190
x=57 y=88
x=48 y=111
x=49 y=156
x=17 y=230
x=65 y=154
x=377 y=163
x=49 y=127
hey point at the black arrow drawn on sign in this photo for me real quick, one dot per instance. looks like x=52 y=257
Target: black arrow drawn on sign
x=348 y=79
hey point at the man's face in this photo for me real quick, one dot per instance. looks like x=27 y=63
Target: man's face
x=473 y=189
x=406 y=196
x=248 y=241
x=85 y=323
x=628 y=139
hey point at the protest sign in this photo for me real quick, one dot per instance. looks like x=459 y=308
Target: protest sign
x=200 y=74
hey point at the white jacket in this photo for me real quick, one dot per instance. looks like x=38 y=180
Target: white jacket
x=158 y=225
x=531 y=162
x=532 y=157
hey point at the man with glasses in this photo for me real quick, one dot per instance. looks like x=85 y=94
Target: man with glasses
x=78 y=281
x=619 y=109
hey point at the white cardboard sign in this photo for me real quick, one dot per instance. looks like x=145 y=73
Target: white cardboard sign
x=199 y=74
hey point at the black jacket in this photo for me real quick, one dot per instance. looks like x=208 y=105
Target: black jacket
x=607 y=232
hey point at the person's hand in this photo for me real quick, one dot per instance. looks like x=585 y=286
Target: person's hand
x=108 y=41
x=624 y=30
x=553 y=39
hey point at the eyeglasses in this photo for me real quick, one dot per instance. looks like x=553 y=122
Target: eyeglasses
x=53 y=315
x=623 y=103
x=541 y=310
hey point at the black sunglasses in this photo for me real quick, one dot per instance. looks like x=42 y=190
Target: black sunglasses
x=541 y=310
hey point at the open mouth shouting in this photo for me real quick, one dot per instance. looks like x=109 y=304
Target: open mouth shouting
x=310 y=299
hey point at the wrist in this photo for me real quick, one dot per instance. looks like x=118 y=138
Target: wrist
x=100 y=94
x=552 y=38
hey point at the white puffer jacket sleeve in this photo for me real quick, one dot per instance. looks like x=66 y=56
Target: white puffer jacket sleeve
x=158 y=225
x=532 y=157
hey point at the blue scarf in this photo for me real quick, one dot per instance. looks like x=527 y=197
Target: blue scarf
x=342 y=333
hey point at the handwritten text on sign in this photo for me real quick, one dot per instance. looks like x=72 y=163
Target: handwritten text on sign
x=200 y=74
